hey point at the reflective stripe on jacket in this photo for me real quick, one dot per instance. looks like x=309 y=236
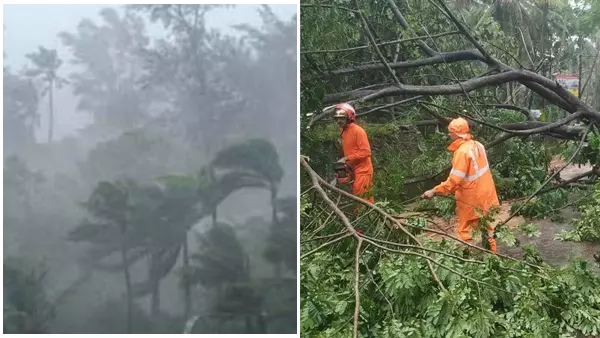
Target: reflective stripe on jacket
x=470 y=180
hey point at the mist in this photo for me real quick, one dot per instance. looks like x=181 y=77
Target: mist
x=150 y=169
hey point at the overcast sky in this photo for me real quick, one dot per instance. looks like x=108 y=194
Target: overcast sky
x=28 y=26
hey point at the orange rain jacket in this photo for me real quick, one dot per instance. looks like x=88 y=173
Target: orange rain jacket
x=357 y=150
x=470 y=179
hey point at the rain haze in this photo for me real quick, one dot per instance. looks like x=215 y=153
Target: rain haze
x=150 y=168
x=49 y=20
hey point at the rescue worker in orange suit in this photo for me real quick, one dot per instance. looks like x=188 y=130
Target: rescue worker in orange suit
x=357 y=151
x=470 y=180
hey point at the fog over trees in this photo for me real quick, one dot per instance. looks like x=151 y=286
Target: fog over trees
x=174 y=208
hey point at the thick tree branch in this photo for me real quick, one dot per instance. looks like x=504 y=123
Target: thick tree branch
x=533 y=127
x=562 y=96
x=468 y=86
x=517 y=129
x=448 y=57
x=535 y=130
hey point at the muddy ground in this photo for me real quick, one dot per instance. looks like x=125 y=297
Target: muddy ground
x=553 y=251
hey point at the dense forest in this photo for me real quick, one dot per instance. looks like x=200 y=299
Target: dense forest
x=174 y=210
x=396 y=269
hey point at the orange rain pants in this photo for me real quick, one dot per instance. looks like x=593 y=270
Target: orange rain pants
x=464 y=229
x=472 y=183
x=363 y=187
x=356 y=148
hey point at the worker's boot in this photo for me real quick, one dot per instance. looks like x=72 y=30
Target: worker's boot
x=489 y=241
x=492 y=243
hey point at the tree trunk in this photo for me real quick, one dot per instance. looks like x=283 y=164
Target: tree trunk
x=127 y=284
x=51 y=112
x=261 y=323
x=579 y=66
x=273 y=204
x=275 y=222
x=155 y=304
x=249 y=325
x=211 y=175
x=187 y=289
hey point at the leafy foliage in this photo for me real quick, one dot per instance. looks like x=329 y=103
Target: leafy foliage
x=113 y=159
x=23 y=182
x=522 y=168
x=26 y=307
x=547 y=205
x=111 y=67
x=587 y=227
x=47 y=64
x=396 y=293
x=220 y=259
x=20 y=115
x=506 y=298
x=258 y=156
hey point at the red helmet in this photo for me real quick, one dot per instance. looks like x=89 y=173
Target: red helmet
x=344 y=109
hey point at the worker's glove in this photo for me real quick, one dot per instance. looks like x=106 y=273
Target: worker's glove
x=343 y=160
x=428 y=194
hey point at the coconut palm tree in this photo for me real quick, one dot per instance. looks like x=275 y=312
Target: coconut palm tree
x=46 y=64
x=159 y=216
x=151 y=233
x=109 y=205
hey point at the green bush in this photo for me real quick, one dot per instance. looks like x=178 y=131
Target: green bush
x=547 y=205
x=26 y=308
x=521 y=168
x=587 y=227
